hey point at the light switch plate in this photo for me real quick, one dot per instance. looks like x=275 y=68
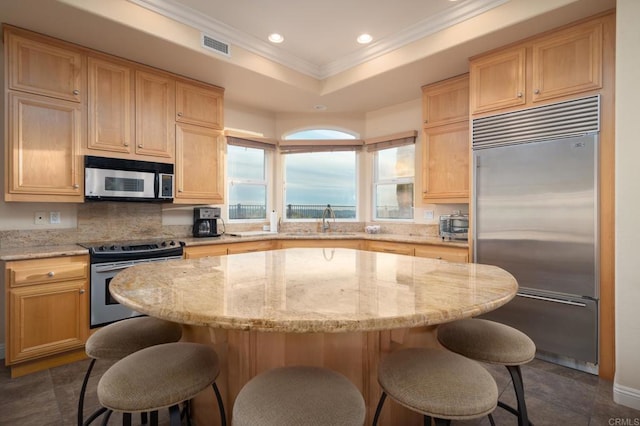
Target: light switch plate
x=428 y=214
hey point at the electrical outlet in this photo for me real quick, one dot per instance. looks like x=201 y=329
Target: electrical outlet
x=54 y=218
x=428 y=214
x=40 y=218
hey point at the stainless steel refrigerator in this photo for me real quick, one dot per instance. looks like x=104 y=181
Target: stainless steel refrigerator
x=536 y=215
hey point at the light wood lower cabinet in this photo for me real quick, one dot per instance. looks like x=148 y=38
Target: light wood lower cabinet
x=351 y=244
x=47 y=304
x=251 y=246
x=196 y=252
x=389 y=247
x=451 y=254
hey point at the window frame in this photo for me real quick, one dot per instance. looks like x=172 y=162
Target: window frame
x=267 y=182
x=376 y=181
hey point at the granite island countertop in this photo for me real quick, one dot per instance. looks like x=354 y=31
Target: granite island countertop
x=313 y=290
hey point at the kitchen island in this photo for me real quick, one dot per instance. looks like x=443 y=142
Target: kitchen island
x=338 y=308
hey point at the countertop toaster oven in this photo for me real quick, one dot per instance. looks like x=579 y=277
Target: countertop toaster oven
x=454 y=226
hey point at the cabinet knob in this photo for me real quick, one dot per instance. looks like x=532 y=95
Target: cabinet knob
x=82 y=291
x=126 y=144
x=439 y=257
x=426 y=121
x=537 y=91
x=519 y=94
x=76 y=92
x=51 y=273
x=76 y=186
x=139 y=145
x=179 y=114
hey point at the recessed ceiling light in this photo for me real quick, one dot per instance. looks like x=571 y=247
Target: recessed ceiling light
x=276 y=38
x=320 y=107
x=364 y=39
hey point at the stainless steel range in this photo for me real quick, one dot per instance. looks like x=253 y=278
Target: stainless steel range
x=109 y=259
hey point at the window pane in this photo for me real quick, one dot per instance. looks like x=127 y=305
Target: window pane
x=247 y=201
x=319 y=134
x=245 y=163
x=316 y=179
x=396 y=162
x=394 y=201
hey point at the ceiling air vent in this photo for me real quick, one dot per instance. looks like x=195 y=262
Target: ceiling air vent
x=217 y=46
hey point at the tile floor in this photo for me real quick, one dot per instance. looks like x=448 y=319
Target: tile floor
x=555 y=396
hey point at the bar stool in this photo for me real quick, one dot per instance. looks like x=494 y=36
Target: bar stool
x=299 y=395
x=493 y=343
x=437 y=384
x=157 y=377
x=122 y=338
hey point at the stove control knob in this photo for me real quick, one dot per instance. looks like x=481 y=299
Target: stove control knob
x=113 y=247
x=163 y=244
x=172 y=243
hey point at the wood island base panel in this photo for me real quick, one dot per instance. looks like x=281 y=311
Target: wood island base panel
x=335 y=307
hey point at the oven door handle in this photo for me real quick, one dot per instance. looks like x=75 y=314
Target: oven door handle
x=110 y=268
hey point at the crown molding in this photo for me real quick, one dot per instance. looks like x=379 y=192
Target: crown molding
x=230 y=35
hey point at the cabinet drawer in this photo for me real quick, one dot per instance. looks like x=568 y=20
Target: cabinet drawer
x=451 y=254
x=204 y=251
x=395 y=248
x=249 y=247
x=39 y=271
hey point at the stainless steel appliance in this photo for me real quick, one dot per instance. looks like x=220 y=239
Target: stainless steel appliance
x=114 y=179
x=454 y=226
x=536 y=215
x=107 y=260
x=205 y=221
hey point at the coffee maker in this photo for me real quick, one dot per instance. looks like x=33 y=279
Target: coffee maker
x=205 y=221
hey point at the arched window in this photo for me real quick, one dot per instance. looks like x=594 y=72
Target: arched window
x=319 y=171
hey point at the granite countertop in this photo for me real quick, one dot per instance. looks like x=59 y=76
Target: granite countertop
x=265 y=235
x=23 y=253
x=313 y=290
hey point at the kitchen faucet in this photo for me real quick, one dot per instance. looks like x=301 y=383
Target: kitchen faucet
x=325 y=224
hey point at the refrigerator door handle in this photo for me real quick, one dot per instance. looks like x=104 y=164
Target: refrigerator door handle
x=549 y=299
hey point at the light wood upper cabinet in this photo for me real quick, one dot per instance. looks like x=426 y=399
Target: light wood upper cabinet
x=498 y=80
x=199 y=104
x=43 y=67
x=47 y=307
x=446 y=102
x=110 y=106
x=155 y=110
x=44 y=136
x=550 y=67
x=568 y=62
x=199 y=165
x=445 y=146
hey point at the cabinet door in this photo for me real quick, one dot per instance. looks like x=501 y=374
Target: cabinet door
x=199 y=165
x=46 y=319
x=498 y=80
x=451 y=254
x=199 y=105
x=155 y=110
x=446 y=102
x=110 y=106
x=44 y=68
x=568 y=62
x=445 y=160
x=43 y=159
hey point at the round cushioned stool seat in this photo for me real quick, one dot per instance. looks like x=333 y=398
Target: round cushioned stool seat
x=158 y=376
x=438 y=383
x=487 y=341
x=122 y=338
x=299 y=396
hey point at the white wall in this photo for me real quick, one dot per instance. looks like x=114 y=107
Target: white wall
x=627 y=378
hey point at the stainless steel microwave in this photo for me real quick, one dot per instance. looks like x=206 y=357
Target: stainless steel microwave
x=114 y=179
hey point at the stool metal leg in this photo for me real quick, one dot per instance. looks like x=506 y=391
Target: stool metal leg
x=521 y=412
x=379 y=408
x=154 y=418
x=126 y=419
x=105 y=419
x=223 y=417
x=83 y=390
